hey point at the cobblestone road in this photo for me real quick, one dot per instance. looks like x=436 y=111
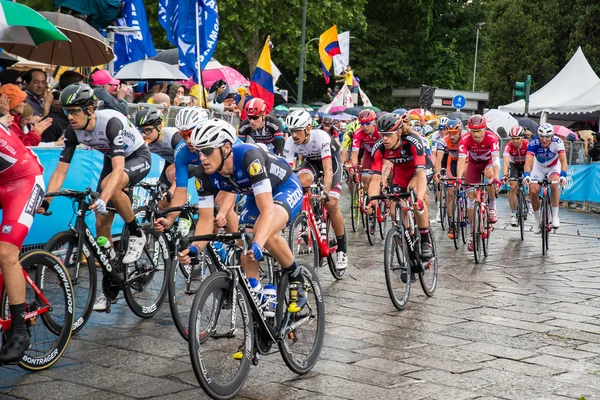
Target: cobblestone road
x=518 y=326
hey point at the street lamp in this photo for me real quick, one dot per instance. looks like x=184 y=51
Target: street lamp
x=477 y=28
x=302 y=48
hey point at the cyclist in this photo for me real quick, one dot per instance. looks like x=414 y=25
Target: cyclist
x=21 y=192
x=447 y=149
x=514 y=156
x=328 y=126
x=319 y=154
x=126 y=162
x=347 y=141
x=435 y=137
x=365 y=137
x=480 y=147
x=262 y=128
x=546 y=158
x=273 y=196
x=400 y=153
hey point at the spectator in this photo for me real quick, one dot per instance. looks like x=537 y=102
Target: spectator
x=594 y=152
x=110 y=91
x=69 y=77
x=177 y=94
x=218 y=91
x=11 y=76
x=12 y=99
x=164 y=100
x=38 y=97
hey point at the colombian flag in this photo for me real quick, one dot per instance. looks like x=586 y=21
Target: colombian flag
x=261 y=84
x=328 y=47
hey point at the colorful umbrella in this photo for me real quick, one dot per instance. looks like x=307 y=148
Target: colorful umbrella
x=342 y=117
x=233 y=78
x=337 y=109
x=376 y=109
x=21 y=25
x=564 y=132
x=500 y=121
x=399 y=111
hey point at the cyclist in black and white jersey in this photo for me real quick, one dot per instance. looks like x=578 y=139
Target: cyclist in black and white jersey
x=319 y=153
x=262 y=128
x=126 y=162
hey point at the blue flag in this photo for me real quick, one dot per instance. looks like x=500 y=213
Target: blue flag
x=133 y=47
x=167 y=18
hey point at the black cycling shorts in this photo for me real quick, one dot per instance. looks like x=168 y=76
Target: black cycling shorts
x=516 y=170
x=137 y=166
x=314 y=167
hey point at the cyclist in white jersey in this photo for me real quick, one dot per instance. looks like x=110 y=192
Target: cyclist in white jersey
x=126 y=162
x=319 y=153
x=546 y=158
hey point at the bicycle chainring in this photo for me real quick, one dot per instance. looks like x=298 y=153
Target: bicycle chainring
x=110 y=288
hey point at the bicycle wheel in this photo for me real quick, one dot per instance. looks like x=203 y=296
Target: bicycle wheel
x=544 y=223
x=476 y=230
x=183 y=283
x=354 y=208
x=458 y=221
x=486 y=232
x=81 y=266
x=145 y=286
x=442 y=206
x=396 y=265
x=429 y=275
x=231 y=330
x=363 y=216
x=463 y=220
x=301 y=346
x=332 y=243
x=49 y=331
x=371 y=228
x=303 y=242
x=383 y=223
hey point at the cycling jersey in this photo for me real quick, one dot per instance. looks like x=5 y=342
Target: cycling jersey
x=270 y=134
x=165 y=148
x=363 y=140
x=406 y=159
x=481 y=152
x=16 y=159
x=113 y=135
x=546 y=157
x=445 y=144
x=435 y=138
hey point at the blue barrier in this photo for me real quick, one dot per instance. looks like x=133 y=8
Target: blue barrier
x=582 y=183
x=84 y=171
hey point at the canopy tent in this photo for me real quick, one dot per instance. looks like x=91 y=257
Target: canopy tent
x=573 y=81
x=584 y=103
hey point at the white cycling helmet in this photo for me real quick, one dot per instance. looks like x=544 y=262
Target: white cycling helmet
x=187 y=118
x=443 y=121
x=298 y=119
x=546 y=130
x=212 y=133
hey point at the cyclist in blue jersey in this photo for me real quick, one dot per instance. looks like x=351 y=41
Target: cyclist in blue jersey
x=273 y=195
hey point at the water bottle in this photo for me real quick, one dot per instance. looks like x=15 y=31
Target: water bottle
x=271 y=299
x=106 y=247
x=220 y=250
x=183 y=226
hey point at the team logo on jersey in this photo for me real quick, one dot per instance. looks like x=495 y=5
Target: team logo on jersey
x=6 y=229
x=199 y=185
x=118 y=141
x=255 y=168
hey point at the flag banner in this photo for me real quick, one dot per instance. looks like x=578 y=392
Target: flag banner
x=341 y=61
x=134 y=47
x=328 y=47
x=348 y=102
x=261 y=84
x=365 y=99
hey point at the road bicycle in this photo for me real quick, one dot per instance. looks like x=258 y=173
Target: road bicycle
x=311 y=237
x=227 y=317
x=481 y=228
x=49 y=309
x=522 y=206
x=546 y=213
x=442 y=206
x=143 y=282
x=458 y=217
x=402 y=254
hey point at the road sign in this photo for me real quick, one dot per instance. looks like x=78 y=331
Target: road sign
x=459 y=101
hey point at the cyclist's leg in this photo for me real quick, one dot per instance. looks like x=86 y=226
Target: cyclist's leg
x=472 y=176
x=167 y=178
x=515 y=172
x=554 y=176
x=422 y=223
x=20 y=201
x=335 y=214
x=366 y=163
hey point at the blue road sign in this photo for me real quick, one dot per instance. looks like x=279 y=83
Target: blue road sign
x=459 y=101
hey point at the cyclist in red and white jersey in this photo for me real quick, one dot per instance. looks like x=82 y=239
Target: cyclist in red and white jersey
x=514 y=156
x=365 y=137
x=21 y=192
x=481 y=149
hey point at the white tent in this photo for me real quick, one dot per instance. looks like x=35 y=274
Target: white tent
x=573 y=81
x=585 y=103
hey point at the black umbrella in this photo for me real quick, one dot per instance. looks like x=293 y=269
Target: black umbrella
x=170 y=56
x=354 y=110
x=463 y=116
x=528 y=124
x=6 y=61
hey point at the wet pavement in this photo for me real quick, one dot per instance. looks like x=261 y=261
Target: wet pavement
x=517 y=326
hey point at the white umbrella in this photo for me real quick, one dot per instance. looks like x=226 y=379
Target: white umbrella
x=499 y=119
x=150 y=69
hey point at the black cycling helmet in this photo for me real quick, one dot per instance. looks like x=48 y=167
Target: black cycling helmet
x=389 y=122
x=148 y=116
x=327 y=120
x=78 y=94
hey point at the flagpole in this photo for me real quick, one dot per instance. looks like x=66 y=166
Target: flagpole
x=200 y=83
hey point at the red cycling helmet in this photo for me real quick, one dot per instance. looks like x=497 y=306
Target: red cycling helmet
x=366 y=116
x=477 y=122
x=516 y=131
x=256 y=107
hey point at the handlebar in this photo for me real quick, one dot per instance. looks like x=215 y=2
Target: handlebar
x=74 y=194
x=228 y=238
x=185 y=207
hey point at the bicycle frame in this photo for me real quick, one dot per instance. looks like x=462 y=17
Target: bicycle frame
x=324 y=249
x=484 y=210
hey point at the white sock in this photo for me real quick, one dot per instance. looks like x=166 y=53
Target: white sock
x=555 y=212
x=513 y=212
x=492 y=204
x=536 y=214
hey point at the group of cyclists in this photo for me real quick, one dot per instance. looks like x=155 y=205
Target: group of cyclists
x=273 y=173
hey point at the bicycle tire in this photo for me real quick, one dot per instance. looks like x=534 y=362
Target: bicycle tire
x=332 y=242
x=371 y=228
x=145 y=287
x=544 y=227
x=290 y=342
x=363 y=216
x=521 y=209
x=302 y=240
x=383 y=223
x=354 y=208
x=463 y=218
x=430 y=268
x=56 y=286
x=487 y=231
x=84 y=280
x=476 y=229
x=442 y=206
x=457 y=222
x=395 y=260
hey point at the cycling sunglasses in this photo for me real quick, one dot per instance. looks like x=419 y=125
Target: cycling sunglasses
x=206 y=152
x=366 y=123
x=186 y=134
x=253 y=117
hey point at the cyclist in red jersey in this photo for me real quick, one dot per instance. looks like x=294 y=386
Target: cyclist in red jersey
x=21 y=192
x=401 y=153
x=481 y=148
x=514 y=156
x=365 y=137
